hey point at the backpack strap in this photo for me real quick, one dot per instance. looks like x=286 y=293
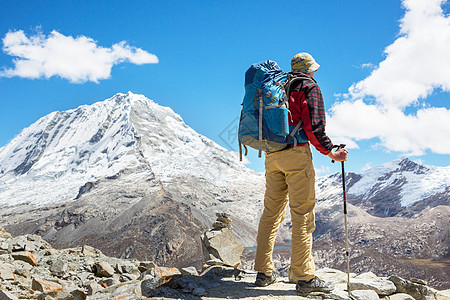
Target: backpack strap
x=240 y=150
x=292 y=134
x=291 y=83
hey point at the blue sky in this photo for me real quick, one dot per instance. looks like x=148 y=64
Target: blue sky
x=384 y=68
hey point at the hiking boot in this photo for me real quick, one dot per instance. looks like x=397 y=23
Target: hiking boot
x=264 y=280
x=314 y=285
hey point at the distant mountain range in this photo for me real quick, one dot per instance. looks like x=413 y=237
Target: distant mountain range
x=129 y=177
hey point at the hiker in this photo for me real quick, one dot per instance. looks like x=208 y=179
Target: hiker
x=290 y=175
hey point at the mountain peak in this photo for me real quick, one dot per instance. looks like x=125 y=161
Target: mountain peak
x=67 y=149
x=407 y=165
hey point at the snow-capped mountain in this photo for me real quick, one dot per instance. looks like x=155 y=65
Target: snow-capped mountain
x=391 y=188
x=67 y=149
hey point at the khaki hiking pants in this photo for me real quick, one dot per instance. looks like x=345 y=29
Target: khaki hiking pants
x=289 y=178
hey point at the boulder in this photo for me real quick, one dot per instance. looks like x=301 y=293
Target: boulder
x=91 y=251
x=45 y=286
x=109 y=281
x=124 y=290
x=59 y=268
x=221 y=244
x=364 y=295
x=26 y=257
x=381 y=287
x=93 y=288
x=367 y=275
x=22 y=268
x=150 y=285
x=401 y=296
x=416 y=290
x=6 y=272
x=125 y=267
x=338 y=294
x=103 y=269
x=333 y=275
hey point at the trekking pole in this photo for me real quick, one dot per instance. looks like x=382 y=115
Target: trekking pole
x=347 y=253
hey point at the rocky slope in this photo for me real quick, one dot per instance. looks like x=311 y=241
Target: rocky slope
x=30 y=268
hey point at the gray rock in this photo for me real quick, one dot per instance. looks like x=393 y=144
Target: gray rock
x=222 y=215
x=6 y=258
x=189 y=271
x=89 y=264
x=150 y=285
x=338 y=294
x=367 y=275
x=418 y=281
x=401 y=296
x=26 y=257
x=443 y=295
x=417 y=291
x=86 y=278
x=103 y=269
x=128 y=277
x=4 y=235
x=76 y=294
x=6 y=272
x=71 y=293
x=4 y=247
x=93 y=288
x=332 y=275
x=109 y=281
x=22 y=268
x=221 y=244
x=5 y=295
x=42 y=285
x=219 y=225
x=91 y=251
x=126 y=267
x=365 y=295
x=145 y=265
x=59 y=268
x=381 y=287
x=126 y=290
x=18 y=244
x=215 y=262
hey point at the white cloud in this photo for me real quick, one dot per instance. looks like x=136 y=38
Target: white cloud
x=415 y=65
x=77 y=59
x=368 y=66
x=323 y=170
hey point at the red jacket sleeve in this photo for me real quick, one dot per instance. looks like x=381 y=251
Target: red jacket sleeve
x=312 y=114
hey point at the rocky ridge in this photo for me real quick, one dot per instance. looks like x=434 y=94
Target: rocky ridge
x=30 y=268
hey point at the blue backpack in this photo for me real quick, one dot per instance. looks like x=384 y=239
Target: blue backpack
x=264 y=122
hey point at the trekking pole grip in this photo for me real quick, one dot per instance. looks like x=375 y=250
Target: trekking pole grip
x=341 y=146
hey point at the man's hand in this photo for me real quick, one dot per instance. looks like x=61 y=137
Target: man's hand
x=339 y=155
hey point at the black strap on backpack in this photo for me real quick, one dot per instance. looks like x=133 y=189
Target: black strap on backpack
x=292 y=82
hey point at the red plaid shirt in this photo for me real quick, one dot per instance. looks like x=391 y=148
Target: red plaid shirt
x=306 y=104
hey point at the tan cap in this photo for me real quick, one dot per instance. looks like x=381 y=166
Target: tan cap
x=304 y=62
